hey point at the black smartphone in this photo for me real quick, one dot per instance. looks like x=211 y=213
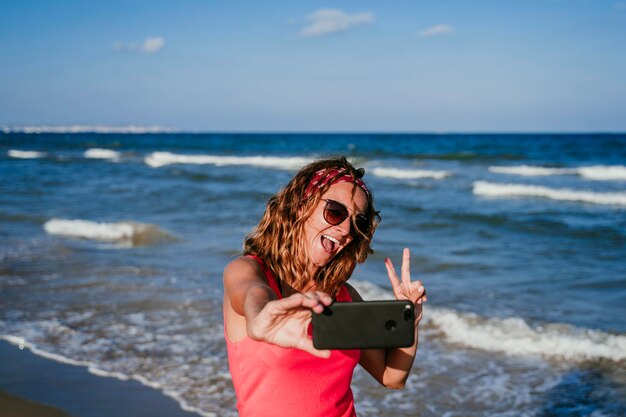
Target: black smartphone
x=365 y=325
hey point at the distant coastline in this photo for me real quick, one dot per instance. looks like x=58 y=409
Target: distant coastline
x=157 y=129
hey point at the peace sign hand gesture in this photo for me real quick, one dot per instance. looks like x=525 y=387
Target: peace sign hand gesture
x=405 y=289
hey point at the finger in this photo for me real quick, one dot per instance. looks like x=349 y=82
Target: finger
x=316 y=296
x=324 y=298
x=297 y=301
x=307 y=346
x=406 y=267
x=391 y=272
x=421 y=291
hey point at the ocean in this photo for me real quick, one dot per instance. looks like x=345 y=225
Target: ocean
x=112 y=249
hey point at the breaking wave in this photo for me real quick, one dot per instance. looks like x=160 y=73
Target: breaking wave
x=601 y=172
x=513 y=335
x=97 y=153
x=406 y=174
x=14 y=153
x=596 y=172
x=123 y=233
x=489 y=189
x=159 y=159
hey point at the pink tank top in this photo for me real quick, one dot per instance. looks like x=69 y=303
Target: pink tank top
x=271 y=381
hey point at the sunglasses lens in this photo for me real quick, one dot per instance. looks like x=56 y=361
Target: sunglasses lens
x=362 y=223
x=335 y=213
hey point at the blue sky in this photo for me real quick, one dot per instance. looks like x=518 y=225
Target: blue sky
x=299 y=66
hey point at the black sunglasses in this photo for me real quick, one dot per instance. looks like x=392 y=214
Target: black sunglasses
x=335 y=213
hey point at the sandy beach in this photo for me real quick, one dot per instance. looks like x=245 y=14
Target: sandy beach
x=11 y=406
x=34 y=386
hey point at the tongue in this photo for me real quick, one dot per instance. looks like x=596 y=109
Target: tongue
x=328 y=244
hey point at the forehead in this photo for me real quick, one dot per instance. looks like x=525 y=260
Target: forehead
x=342 y=192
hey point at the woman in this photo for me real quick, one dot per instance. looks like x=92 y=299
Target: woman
x=296 y=261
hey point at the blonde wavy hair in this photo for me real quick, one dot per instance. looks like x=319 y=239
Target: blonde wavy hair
x=278 y=239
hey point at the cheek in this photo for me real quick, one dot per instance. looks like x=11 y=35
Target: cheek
x=312 y=230
x=316 y=223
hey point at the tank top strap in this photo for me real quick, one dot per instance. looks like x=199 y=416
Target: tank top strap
x=344 y=294
x=269 y=275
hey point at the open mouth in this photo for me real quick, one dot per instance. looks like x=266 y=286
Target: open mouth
x=329 y=243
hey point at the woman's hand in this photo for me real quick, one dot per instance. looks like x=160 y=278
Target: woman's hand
x=405 y=289
x=285 y=322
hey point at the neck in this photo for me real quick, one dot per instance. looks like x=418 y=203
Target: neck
x=311 y=272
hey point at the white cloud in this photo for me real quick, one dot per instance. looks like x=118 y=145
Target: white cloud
x=148 y=46
x=437 y=30
x=328 y=21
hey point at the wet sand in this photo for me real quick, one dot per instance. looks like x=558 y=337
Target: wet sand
x=11 y=406
x=34 y=386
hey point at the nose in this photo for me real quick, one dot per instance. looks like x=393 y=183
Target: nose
x=345 y=226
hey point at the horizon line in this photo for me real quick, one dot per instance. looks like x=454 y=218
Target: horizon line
x=155 y=129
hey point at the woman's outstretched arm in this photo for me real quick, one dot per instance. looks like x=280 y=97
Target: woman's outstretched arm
x=251 y=308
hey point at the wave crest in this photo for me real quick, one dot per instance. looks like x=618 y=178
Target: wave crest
x=123 y=233
x=15 y=153
x=602 y=172
x=159 y=159
x=595 y=172
x=530 y=171
x=489 y=189
x=97 y=153
x=406 y=174
x=513 y=335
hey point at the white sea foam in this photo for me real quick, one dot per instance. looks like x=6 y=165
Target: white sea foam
x=14 y=153
x=24 y=344
x=86 y=129
x=603 y=172
x=97 y=153
x=528 y=171
x=596 y=172
x=513 y=336
x=489 y=189
x=409 y=174
x=129 y=233
x=159 y=159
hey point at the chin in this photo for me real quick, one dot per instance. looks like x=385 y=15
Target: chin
x=321 y=259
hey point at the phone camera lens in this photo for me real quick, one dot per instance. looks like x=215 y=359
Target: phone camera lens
x=391 y=325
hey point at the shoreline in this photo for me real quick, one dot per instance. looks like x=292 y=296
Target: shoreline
x=34 y=385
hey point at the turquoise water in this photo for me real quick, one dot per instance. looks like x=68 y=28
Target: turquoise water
x=520 y=240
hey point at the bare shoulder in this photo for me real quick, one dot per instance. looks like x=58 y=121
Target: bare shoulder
x=243 y=269
x=240 y=275
x=354 y=294
x=243 y=264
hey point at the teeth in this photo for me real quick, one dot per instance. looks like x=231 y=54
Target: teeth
x=331 y=239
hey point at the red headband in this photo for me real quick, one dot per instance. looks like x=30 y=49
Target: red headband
x=326 y=175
